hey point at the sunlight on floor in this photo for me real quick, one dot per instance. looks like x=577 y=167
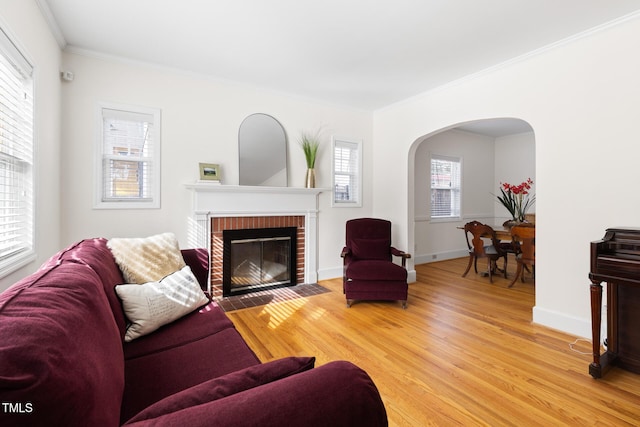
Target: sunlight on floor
x=279 y=313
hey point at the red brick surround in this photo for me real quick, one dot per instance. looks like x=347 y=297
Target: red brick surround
x=219 y=224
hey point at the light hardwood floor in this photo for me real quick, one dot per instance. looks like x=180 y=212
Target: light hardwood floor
x=463 y=353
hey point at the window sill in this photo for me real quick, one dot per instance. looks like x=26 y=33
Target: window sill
x=127 y=205
x=16 y=262
x=445 y=220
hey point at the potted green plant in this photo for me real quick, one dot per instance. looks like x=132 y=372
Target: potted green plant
x=310 y=144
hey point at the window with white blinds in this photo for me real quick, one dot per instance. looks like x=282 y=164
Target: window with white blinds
x=347 y=172
x=16 y=158
x=129 y=158
x=445 y=187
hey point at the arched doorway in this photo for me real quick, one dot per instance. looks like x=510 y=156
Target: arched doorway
x=490 y=151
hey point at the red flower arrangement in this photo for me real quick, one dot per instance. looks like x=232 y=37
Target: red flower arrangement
x=516 y=198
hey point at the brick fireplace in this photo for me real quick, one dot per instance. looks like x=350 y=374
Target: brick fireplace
x=226 y=207
x=220 y=224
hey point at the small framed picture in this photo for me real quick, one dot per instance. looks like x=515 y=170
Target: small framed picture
x=209 y=172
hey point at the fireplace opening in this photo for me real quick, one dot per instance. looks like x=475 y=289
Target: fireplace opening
x=258 y=259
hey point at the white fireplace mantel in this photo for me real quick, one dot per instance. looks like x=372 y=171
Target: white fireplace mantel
x=223 y=200
x=216 y=200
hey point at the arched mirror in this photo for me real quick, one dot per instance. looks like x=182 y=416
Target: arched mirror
x=262 y=145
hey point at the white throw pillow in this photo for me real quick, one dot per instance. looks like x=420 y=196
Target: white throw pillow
x=155 y=304
x=147 y=259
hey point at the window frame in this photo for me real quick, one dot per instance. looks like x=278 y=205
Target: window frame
x=151 y=202
x=356 y=144
x=454 y=216
x=21 y=66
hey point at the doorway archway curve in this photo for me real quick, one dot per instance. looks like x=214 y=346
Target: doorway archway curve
x=496 y=128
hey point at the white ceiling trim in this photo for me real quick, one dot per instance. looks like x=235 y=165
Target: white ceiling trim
x=53 y=24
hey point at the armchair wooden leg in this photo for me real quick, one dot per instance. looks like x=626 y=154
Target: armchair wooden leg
x=349 y=302
x=404 y=304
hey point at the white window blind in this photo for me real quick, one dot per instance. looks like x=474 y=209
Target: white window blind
x=129 y=158
x=347 y=164
x=16 y=157
x=445 y=187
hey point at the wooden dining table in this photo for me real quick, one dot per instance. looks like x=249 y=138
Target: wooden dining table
x=503 y=233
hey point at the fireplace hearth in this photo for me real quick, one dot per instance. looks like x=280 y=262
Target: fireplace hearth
x=258 y=259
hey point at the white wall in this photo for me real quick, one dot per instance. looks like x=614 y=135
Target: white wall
x=24 y=24
x=515 y=161
x=580 y=99
x=441 y=239
x=200 y=122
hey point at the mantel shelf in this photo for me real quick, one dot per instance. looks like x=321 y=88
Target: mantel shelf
x=214 y=187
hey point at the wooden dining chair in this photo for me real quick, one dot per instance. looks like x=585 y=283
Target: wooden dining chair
x=475 y=233
x=526 y=257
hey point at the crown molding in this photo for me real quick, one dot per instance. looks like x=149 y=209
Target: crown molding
x=51 y=21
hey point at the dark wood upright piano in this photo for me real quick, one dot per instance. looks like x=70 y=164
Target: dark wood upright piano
x=615 y=259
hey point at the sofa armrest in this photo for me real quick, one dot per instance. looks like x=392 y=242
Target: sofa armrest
x=335 y=394
x=198 y=261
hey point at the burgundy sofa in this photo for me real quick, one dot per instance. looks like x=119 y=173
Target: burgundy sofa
x=63 y=361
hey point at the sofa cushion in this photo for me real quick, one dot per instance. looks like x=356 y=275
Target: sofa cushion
x=336 y=394
x=60 y=349
x=147 y=259
x=96 y=254
x=148 y=378
x=199 y=324
x=154 y=304
x=228 y=385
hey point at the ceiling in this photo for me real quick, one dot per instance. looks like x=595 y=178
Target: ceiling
x=365 y=54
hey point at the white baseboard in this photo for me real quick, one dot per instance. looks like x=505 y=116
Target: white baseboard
x=572 y=325
x=440 y=256
x=330 y=273
x=411 y=276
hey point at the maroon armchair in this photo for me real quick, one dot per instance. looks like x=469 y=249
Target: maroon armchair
x=369 y=272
